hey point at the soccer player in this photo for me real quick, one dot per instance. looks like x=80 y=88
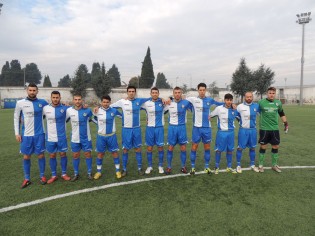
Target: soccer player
x=29 y=113
x=177 y=128
x=106 y=135
x=247 y=134
x=225 y=134
x=201 y=126
x=56 y=138
x=270 y=109
x=154 y=134
x=131 y=130
x=80 y=135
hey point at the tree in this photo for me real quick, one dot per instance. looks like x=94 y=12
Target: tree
x=263 y=78
x=134 y=81
x=79 y=82
x=5 y=76
x=184 y=88
x=161 y=81
x=213 y=89
x=100 y=80
x=47 y=82
x=147 y=74
x=32 y=74
x=65 y=82
x=242 y=79
x=114 y=76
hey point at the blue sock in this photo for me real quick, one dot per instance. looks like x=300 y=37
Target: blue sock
x=117 y=164
x=161 y=157
x=183 y=158
x=252 y=155
x=149 y=157
x=88 y=162
x=76 y=163
x=139 y=159
x=192 y=158
x=207 y=158
x=53 y=166
x=41 y=165
x=99 y=163
x=238 y=157
x=229 y=160
x=217 y=159
x=63 y=163
x=124 y=161
x=169 y=158
x=27 y=168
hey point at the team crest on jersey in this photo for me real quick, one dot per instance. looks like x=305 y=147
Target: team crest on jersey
x=137 y=103
x=208 y=103
x=62 y=110
x=255 y=109
x=160 y=104
x=183 y=106
x=233 y=113
x=112 y=114
x=277 y=104
x=40 y=105
x=84 y=114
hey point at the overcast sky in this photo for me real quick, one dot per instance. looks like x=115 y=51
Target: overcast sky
x=191 y=40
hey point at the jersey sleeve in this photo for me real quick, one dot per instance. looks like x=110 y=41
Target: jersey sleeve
x=190 y=99
x=143 y=100
x=117 y=104
x=215 y=112
x=118 y=114
x=17 y=117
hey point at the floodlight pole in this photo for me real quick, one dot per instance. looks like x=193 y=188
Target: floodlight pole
x=303 y=19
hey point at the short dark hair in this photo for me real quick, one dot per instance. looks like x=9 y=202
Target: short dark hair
x=272 y=89
x=177 y=88
x=228 y=96
x=32 y=85
x=201 y=85
x=77 y=95
x=155 y=88
x=131 y=87
x=106 y=97
x=55 y=92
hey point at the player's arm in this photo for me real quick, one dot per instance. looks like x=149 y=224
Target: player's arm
x=284 y=120
x=17 y=119
x=117 y=104
x=214 y=112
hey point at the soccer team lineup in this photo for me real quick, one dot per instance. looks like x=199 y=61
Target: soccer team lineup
x=40 y=127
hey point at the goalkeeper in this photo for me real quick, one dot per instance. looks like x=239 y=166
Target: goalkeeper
x=270 y=109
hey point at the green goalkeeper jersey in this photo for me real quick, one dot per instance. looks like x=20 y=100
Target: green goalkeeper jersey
x=269 y=114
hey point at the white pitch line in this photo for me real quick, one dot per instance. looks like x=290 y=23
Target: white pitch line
x=87 y=190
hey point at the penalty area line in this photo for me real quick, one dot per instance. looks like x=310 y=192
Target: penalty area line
x=87 y=190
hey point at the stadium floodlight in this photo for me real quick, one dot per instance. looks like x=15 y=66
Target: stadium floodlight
x=303 y=19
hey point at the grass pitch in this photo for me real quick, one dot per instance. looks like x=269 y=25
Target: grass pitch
x=224 y=204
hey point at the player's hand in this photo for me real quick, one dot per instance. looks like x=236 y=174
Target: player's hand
x=234 y=106
x=286 y=127
x=18 y=138
x=95 y=110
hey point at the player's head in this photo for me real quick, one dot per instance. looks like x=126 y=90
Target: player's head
x=228 y=99
x=249 y=97
x=202 y=89
x=271 y=93
x=155 y=93
x=177 y=93
x=77 y=100
x=105 y=102
x=55 y=98
x=32 y=91
x=131 y=92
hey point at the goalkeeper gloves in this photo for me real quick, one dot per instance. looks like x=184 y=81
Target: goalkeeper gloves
x=286 y=127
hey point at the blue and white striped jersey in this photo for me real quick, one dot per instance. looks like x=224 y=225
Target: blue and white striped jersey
x=177 y=112
x=105 y=120
x=56 y=122
x=155 y=112
x=247 y=114
x=30 y=114
x=201 y=110
x=130 y=111
x=80 y=128
x=226 y=116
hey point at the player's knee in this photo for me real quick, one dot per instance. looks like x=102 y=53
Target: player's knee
x=239 y=149
x=275 y=146
x=76 y=155
x=160 y=149
x=183 y=148
x=194 y=147
x=63 y=154
x=229 y=152
x=125 y=150
x=206 y=146
x=149 y=148
x=26 y=157
x=114 y=154
x=138 y=149
x=218 y=152
x=170 y=148
x=40 y=156
x=87 y=154
x=53 y=155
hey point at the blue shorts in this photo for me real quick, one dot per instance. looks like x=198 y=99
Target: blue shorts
x=154 y=136
x=247 y=138
x=224 y=141
x=201 y=134
x=85 y=146
x=177 y=134
x=60 y=146
x=131 y=138
x=33 y=144
x=104 y=143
